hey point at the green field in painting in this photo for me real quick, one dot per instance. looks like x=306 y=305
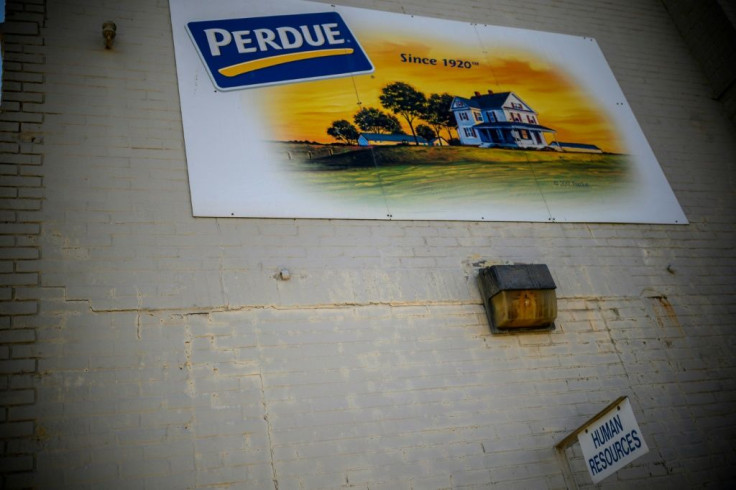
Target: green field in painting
x=454 y=175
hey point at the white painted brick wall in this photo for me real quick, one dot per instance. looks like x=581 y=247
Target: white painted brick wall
x=165 y=353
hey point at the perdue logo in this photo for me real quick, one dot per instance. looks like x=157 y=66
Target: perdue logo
x=260 y=51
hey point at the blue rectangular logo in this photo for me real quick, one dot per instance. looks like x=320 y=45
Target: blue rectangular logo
x=261 y=51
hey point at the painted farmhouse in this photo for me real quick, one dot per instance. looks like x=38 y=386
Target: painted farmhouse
x=498 y=120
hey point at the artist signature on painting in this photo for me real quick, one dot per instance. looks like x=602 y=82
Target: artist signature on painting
x=570 y=183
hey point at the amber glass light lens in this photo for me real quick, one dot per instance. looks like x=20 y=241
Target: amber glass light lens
x=524 y=308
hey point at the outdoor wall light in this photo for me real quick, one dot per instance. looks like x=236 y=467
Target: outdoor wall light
x=518 y=297
x=109 y=29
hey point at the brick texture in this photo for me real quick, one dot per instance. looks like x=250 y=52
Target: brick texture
x=144 y=348
x=21 y=194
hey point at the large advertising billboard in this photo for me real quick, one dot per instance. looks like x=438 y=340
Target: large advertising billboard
x=298 y=109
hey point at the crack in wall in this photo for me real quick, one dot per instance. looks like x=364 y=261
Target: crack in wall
x=268 y=432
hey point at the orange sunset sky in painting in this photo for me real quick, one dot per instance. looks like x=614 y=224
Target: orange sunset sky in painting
x=304 y=111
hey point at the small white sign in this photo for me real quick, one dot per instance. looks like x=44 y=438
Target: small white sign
x=612 y=441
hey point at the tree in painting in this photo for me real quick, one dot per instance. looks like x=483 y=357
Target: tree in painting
x=404 y=100
x=424 y=131
x=438 y=115
x=344 y=131
x=372 y=120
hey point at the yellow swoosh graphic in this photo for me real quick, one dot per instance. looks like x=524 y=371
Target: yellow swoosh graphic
x=240 y=68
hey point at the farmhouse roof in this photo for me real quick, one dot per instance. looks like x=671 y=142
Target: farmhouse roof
x=513 y=125
x=490 y=101
x=485 y=101
x=392 y=138
x=581 y=146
